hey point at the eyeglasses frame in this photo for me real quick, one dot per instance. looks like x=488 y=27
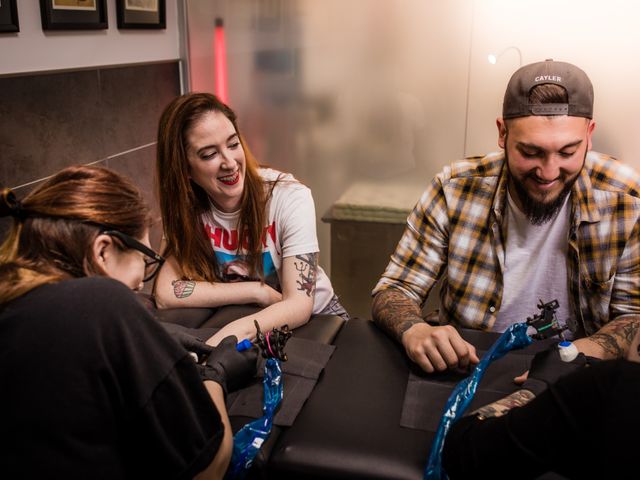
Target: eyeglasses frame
x=134 y=244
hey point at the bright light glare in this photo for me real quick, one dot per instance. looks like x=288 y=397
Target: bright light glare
x=492 y=59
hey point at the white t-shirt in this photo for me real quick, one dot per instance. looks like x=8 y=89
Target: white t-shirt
x=290 y=231
x=535 y=266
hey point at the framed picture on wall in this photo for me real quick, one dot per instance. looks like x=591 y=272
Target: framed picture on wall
x=141 y=13
x=73 y=14
x=9 y=16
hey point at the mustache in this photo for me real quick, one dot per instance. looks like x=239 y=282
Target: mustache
x=531 y=174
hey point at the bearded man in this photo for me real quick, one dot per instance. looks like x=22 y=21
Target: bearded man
x=544 y=219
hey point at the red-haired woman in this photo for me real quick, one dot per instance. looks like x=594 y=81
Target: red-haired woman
x=235 y=233
x=92 y=385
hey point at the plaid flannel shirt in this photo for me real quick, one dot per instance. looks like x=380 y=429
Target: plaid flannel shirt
x=458 y=231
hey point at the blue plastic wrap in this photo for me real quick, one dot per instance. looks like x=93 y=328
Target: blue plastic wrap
x=249 y=439
x=514 y=338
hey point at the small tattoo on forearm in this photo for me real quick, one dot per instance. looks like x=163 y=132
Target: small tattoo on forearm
x=183 y=288
x=502 y=406
x=307 y=268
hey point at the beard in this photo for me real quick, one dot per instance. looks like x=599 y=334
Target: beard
x=540 y=212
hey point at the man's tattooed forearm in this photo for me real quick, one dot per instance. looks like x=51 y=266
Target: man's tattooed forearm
x=183 y=288
x=395 y=312
x=616 y=337
x=502 y=406
x=307 y=269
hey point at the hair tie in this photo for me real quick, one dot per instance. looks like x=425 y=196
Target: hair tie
x=16 y=210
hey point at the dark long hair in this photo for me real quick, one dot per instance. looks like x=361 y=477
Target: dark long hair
x=54 y=227
x=182 y=201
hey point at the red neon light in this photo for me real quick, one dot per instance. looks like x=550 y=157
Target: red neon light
x=220 y=61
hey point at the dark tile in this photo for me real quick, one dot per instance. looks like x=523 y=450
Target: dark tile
x=139 y=167
x=48 y=122
x=132 y=100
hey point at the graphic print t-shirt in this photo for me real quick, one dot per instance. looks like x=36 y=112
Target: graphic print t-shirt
x=290 y=231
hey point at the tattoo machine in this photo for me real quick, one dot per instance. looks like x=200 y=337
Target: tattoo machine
x=513 y=338
x=271 y=345
x=249 y=439
x=546 y=323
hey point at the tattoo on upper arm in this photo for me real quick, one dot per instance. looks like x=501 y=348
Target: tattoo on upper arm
x=616 y=337
x=395 y=312
x=307 y=269
x=502 y=406
x=183 y=288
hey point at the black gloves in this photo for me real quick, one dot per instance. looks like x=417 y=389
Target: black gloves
x=222 y=364
x=186 y=337
x=547 y=367
x=228 y=367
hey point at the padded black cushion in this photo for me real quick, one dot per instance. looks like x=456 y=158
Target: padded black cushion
x=187 y=317
x=227 y=314
x=320 y=328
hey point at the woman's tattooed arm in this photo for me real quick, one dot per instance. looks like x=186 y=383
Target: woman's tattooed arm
x=183 y=288
x=307 y=268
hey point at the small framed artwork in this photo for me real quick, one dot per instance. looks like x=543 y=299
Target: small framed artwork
x=73 y=14
x=141 y=13
x=9 y=16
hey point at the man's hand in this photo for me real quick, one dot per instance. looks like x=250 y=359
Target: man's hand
x=438 y=348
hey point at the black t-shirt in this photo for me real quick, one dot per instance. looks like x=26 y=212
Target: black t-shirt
x=584 y=426
x=91 y=386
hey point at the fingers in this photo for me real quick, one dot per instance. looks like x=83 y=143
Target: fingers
x=465 y=352
x=231 y=340
x=520 y=379
x=422 y=360
x=439 y=348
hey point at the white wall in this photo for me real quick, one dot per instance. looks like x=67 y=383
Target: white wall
x=395 y=89
x=601 y=37
x=33 y=50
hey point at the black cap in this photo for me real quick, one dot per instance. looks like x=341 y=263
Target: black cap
x=571 y=78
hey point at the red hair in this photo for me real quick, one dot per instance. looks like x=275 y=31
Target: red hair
x=182 y=202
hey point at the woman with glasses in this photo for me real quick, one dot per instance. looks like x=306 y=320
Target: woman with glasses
x=92 y=385
x=235 y=233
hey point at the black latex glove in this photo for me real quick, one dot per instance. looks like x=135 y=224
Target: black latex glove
x=547 y=367
x=228 y=367
x=185 y=337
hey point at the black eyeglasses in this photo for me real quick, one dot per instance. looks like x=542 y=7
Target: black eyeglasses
x=152 y=261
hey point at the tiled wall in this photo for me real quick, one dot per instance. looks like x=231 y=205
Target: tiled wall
x=106 y=116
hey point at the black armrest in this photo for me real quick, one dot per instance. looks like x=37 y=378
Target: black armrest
x=229 y=313
x=321 y=328
x=187 y=317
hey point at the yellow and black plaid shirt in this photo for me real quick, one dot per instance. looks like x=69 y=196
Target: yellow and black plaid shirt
x=458 y=231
